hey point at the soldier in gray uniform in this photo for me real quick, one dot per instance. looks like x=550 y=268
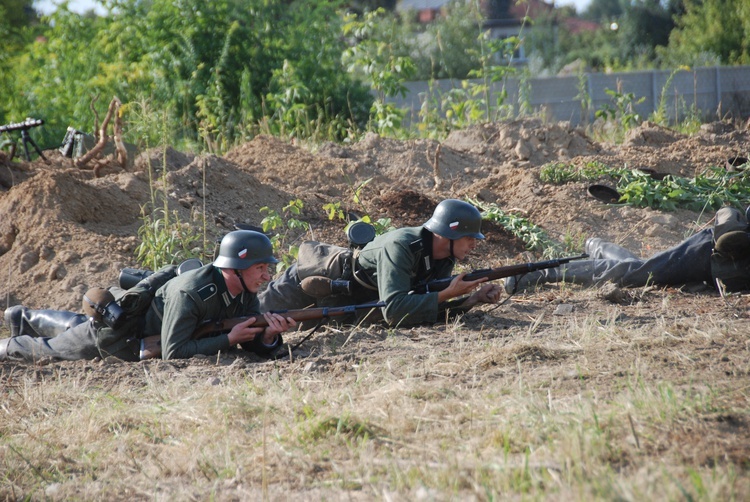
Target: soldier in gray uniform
x=226 y=288
x=717 y=256
x=392 y=264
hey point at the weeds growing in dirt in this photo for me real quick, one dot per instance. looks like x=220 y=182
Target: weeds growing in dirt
x=337 y=211
x=165 y=238
x=287 y=228
x=711 y=189
x=532 y=236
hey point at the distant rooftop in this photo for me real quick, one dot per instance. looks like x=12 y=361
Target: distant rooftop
x=420 y=4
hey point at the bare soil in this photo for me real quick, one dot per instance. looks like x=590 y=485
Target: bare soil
x=64 y=230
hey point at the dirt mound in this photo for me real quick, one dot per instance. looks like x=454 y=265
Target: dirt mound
x=65 y=230
x=368 y=412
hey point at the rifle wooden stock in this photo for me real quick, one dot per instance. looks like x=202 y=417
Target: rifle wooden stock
x=496 y=273
x=151 y=345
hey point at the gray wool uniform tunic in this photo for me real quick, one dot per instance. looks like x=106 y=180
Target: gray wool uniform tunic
x=392 y=264
x=186 y=302
x=397 y=261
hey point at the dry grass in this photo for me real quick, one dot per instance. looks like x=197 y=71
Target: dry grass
x=634 y=402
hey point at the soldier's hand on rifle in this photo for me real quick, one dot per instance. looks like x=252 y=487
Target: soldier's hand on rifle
x=276 y=324
x=459 y=287
x=245 y=332
x=488 y=293
x=242 y=332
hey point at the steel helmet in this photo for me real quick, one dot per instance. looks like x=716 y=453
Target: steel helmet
x=454 y=219
x=240 y=249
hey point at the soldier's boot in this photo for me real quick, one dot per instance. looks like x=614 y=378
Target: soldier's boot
x=730 y=262
x=40 y=323
x=729 y=219
x=598 y=248
x=577 y=272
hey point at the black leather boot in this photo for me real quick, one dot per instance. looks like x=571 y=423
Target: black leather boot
x=40 y=323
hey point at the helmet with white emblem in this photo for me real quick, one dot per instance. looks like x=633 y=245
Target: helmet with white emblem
x=242 y=249
x=454 y=219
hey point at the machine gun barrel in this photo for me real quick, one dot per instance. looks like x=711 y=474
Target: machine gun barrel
x=21 y=126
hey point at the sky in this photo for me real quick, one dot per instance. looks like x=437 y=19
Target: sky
x=48 y=6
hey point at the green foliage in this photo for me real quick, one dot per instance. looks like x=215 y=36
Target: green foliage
x=340 y=426
x=623 y=110
x=219 y=68
x=287 y=227
x=55 y=78
x=374 y=58
x=711 y=189
x=710 y=29
x=645 y=25
x=559 y=173
x=335 y=210
x=474 y=102
x=603 y=10
x=450 y=46
x=217 y=73
x=659 y=116
x=530 y=234
x=496 y=64
x=584 y=97
x=165 y=239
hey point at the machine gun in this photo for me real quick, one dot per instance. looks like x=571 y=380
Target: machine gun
x=24 y=128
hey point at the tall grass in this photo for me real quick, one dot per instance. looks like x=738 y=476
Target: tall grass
x=589 y=406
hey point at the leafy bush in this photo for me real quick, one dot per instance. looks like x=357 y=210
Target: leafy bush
x=217 y=68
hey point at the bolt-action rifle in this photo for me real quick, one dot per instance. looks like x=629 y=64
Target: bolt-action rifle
x=496 y=273
x=320 y=287
x=151 y=345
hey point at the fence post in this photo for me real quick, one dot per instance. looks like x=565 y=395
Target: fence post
x=718 y=88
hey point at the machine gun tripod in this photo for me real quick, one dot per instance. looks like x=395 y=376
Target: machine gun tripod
x=25 y=138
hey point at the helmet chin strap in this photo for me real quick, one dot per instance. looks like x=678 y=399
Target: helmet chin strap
x=452 y=255
x=242 y=281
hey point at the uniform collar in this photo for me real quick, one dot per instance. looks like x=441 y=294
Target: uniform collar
x=226 y=297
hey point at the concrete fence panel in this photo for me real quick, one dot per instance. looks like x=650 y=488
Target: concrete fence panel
x=711 y=93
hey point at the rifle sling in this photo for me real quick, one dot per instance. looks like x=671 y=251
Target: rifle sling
x=363 y=281
x=307 y=336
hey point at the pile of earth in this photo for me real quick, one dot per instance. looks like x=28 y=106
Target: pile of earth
x=64 y=229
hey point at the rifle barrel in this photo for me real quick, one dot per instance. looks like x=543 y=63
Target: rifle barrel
x=496 y=273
